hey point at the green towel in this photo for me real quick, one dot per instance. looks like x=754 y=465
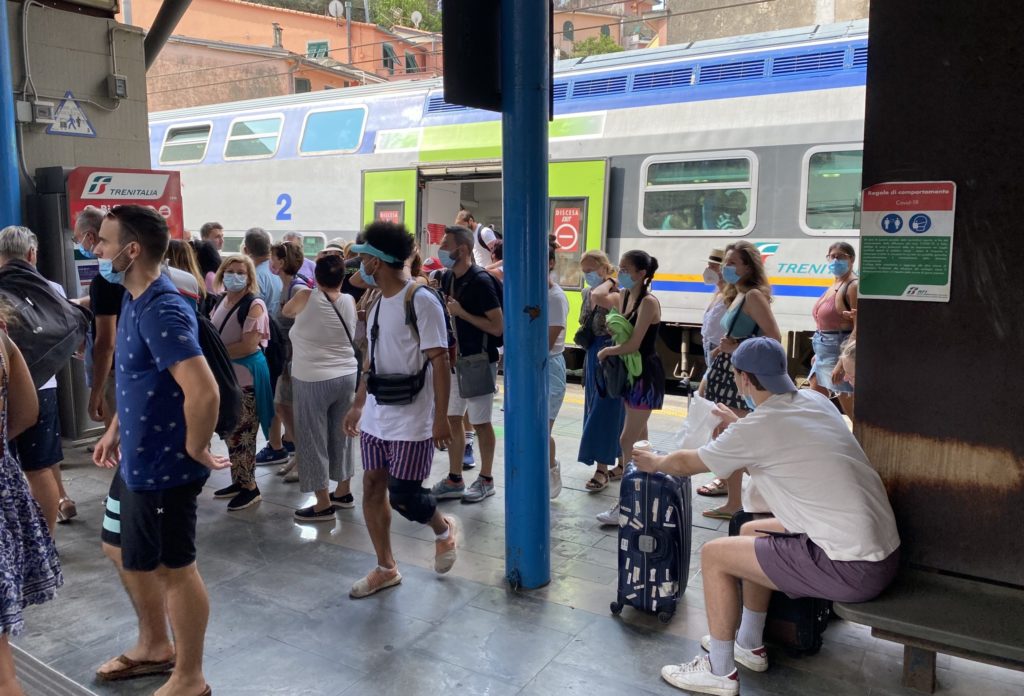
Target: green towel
x=621 y=331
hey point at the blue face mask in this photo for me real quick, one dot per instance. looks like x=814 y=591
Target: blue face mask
x=83 y=251
x=367 y=278
x=839 y=267
x=730 y=275
x=446 y=258
x=108 y=272
x=235 y=282
x=749 y=401
x=626 y=281
x=592 y=278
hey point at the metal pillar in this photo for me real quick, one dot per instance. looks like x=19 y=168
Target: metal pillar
x=524 y=89
x=167 y=18
x=10 y=178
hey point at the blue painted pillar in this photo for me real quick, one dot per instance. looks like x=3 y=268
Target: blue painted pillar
x=10 y=179
x=524 y=87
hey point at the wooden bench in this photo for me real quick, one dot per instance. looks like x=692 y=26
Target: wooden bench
x=929 y=613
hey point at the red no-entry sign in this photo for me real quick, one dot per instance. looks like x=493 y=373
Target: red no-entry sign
x=567 y=228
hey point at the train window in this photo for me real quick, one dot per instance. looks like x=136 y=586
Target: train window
x=185 y=144
x=253 y=138
x=831 y=190
x=706 y=195
x=332 y=131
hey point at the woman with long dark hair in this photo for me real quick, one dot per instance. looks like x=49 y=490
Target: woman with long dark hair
x=643 y=311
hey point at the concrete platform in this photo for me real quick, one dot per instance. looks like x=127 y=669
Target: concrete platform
x=282 y=622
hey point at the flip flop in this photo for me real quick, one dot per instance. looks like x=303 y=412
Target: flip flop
x=717 y=514
x=715 y=488
x=134 y=669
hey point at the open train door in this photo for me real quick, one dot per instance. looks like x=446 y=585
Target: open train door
x=577 y=213
x=390 y=195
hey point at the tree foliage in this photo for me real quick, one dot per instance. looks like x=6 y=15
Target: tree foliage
x=595 y=45
x=386 y=13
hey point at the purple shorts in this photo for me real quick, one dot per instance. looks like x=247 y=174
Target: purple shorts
x=408 y=461
x=800 y=568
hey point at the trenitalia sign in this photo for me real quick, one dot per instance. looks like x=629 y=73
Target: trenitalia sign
x=107 y=188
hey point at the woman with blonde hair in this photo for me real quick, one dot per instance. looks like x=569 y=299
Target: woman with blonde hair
x=182 y=256
x=748 y=296
x=244 y=324
x=603 y=417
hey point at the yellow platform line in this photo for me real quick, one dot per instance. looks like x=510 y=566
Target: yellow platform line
x=579 y=401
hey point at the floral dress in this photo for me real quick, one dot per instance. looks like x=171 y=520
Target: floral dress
x=29 y=567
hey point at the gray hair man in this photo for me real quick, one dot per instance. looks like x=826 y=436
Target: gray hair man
x=257 y=247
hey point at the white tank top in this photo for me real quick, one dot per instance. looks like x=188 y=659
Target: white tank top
x=320 y=348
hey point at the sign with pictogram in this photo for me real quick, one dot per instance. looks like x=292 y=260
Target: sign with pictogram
x=567 y=227
x=109 y=187
x=907 y=241
x=70 y=119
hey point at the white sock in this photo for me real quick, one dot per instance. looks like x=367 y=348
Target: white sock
x=751 y=634
x=443 y=536
x=469 y=437
x=722 y=663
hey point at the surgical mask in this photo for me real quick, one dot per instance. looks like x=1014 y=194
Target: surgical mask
x=235 y=282
x=108 y=272
x=446 y=259
x=711 y=277
x=626 y=281
x=749 y=401
x=367 y=278
x=83 y=251
x=730 y=275
x=839 y=267
x=592 y=278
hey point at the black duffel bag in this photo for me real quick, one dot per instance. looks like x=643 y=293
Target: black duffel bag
x=47 y=328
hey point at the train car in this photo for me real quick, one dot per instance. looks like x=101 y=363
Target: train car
x=675 y=150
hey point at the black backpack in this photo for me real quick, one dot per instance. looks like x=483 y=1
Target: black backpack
x=278 y=348
x=223 y=370
x=480 y=238
x=47 y=328
x=447 y=281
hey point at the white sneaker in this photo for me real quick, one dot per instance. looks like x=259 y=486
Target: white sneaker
x=696 y=676
x=609 y=516
x=755 y=660
x=555 y=479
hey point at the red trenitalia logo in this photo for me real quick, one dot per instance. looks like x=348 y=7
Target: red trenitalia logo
x=98 y=184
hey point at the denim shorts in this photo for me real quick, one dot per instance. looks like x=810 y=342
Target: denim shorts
x=827 y=347
x=556 y=384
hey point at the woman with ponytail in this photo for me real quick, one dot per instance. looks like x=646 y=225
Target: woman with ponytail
x=642 y=309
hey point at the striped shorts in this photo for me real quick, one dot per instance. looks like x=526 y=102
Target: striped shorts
x=405 y=460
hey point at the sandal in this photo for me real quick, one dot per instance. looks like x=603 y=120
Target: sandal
x=715 y=488
x=598 y=482
x=616 y=472
x=136 y=668
x=718 y=514
x=66 y=509
x=286 y=468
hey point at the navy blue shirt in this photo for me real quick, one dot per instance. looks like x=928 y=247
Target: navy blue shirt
x=156 y=332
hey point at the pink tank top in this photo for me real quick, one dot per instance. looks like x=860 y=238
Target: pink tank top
x=826 y=316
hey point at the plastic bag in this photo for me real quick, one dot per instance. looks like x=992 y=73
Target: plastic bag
x=699 y=425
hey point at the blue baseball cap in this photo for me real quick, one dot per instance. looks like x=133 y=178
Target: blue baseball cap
x=367 y=248
x=765 y=358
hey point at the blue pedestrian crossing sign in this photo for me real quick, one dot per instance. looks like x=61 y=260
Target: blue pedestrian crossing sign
x=892 y=223
x=71 y=119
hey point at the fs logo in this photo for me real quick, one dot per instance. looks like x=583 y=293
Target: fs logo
x=915 y=291
x=767 y=249
x=98 y=184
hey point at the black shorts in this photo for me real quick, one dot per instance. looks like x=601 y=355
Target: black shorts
x=157 y=528
x=39 y=447
x=111 y=531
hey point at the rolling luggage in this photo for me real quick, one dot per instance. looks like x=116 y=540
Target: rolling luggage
x=654 y=542
x=795 y=625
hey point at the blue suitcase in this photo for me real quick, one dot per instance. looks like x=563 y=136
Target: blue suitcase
x=654 y=542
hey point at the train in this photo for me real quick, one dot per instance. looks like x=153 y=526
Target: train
x=674 y=150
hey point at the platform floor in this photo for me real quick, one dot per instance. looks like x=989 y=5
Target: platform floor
x=282 y=622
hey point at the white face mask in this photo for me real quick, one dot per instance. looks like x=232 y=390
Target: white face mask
x=711 y=277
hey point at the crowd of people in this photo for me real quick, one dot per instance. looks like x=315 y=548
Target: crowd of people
x=372 y=347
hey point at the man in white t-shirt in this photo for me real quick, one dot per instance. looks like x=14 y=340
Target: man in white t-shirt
x=484 y=238
x=833 y=536
x=558 y=314
x=398 y=439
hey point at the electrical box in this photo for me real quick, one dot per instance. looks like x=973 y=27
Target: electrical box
x=44 y=111
x=23 y=111
x=117 y=86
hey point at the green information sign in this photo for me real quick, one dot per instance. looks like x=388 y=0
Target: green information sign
x=907 y=241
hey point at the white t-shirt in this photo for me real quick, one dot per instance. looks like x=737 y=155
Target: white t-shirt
x=59 y=289
x=558 y=314
x=482 y=253
x=320 y=347
x=812 y=473
x=185 y=282
x=397 y=353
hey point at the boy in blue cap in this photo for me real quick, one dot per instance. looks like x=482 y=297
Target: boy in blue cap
x=833 y=536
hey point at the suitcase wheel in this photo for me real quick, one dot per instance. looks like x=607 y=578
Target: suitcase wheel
x=616 y=608
x=665 y=616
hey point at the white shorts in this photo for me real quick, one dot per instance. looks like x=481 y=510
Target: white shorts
x=479 y=407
